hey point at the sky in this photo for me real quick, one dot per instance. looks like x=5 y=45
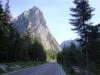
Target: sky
x=56 y=13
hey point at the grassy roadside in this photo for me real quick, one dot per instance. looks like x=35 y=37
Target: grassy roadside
x=22 y=64
x=68 y=70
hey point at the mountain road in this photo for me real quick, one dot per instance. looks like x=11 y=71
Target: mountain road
x=51 y=68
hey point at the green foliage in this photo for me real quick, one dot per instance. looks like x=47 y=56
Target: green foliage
x=51 y=54
x=4 y=33
x=88 y=33
x=89 y=51
x=93 y=45
x=14 y=46
x=70 y=56
x=68 y=70
x=82 y=14
x=37 y=52
x=88 y=54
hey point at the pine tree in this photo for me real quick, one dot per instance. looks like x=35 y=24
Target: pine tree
x=1 y=32
x=7 y=12
x=94 y=42
x=38 y=51
x=5 y=27
x=82 y=14
x=4 y=34
x=10 y=30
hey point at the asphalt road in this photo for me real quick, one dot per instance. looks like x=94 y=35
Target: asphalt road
x=51 y=68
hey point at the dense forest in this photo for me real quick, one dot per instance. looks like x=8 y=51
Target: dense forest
x=86 y=56
x=14 y=46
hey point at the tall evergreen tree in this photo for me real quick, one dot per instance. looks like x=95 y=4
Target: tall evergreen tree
x=7 y=21
x=5 y=28
x=4 y=34
x=7 y=12
x=38 y=51
x=27 y=40
x=94 y=43
x=82 y=14
x=2 y=29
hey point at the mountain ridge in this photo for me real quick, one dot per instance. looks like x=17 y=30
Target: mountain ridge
x=67 y=43
x=34 y=20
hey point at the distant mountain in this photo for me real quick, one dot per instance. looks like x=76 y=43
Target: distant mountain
x=34 y=21
x=67 y=43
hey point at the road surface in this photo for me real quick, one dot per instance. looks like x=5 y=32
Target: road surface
x=51 y=68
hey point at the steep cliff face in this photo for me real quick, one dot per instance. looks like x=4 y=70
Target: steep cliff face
x=34 y=21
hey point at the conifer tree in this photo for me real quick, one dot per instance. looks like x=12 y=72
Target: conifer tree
x=1 y=32
x=5 y=27
x=82 y=14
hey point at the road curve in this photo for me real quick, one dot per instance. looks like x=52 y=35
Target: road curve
x=50 y=68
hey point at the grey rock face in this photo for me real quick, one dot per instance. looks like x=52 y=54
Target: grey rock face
x=67 y=43
x=33 y=20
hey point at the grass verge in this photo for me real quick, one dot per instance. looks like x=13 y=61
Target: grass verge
x=68 y=69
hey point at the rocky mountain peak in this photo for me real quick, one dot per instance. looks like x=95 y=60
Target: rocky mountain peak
x=33 y=19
